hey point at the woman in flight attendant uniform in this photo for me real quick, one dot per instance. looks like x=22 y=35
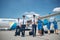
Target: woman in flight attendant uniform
x=53 y=20
x=40 y=26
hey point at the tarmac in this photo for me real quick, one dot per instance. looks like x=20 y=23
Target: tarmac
x=9 y=35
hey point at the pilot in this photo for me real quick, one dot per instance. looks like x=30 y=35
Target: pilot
x=18 y=28
x=23 y=24
x=34 y=26
x=53 y=20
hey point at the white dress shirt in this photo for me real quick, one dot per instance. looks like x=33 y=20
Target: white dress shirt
x=23 y=22
x=18 y=22
x=34 y=20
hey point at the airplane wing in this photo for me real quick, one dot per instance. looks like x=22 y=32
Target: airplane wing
x=55 y=14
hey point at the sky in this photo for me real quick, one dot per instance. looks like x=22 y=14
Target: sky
x=17 y=8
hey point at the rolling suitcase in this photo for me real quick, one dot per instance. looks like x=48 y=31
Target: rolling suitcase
x=30 y=33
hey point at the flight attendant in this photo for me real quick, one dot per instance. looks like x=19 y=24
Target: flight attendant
x=18 y=28
x=53 y=20
x=23 y=23
x=40 y=26
x=55 y=26
x=34 y=26
x=47 y=23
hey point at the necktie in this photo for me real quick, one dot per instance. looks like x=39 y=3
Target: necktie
x=23 y=21
x=34 y=20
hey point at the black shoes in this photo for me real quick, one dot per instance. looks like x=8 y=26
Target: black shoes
x=16 y=35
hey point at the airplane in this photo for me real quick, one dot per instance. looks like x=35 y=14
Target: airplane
x=10 y=23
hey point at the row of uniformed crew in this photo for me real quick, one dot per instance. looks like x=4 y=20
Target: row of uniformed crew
x=21 y=27
x=22 y=24
x=48 y=22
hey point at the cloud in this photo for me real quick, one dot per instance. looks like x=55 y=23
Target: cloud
x=30 y=14
x=57 y=10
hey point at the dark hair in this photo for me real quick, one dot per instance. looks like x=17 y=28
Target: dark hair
x=33 y=15
x=23 y=15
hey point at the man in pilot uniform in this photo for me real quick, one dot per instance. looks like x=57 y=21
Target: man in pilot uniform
x=34 y=26
x=18 y=27
x=23 y=24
